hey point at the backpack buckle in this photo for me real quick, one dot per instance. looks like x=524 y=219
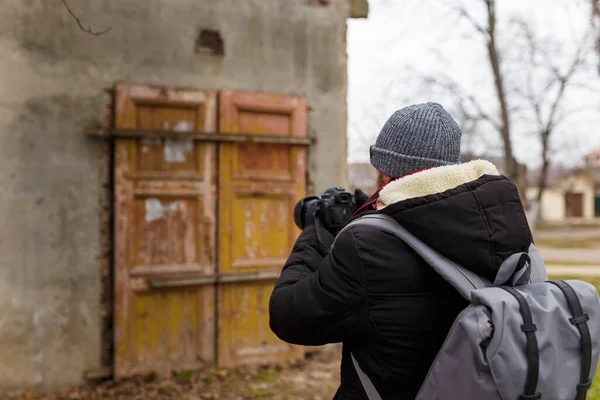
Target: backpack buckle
x=584 y=387
x=579 y=320
x=528 y=328
x=530 y=396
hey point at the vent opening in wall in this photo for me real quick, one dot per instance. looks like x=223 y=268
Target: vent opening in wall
x=210 y=41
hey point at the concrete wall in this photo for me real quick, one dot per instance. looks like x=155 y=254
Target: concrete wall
x=552 y=207
x=51 y=196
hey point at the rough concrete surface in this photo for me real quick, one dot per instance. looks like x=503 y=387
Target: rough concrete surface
x=51 y=80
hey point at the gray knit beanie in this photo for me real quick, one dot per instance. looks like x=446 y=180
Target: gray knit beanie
x=416 y=137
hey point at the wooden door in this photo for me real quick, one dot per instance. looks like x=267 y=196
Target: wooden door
x=259 y=184
x=574 y=205
x=165 y=226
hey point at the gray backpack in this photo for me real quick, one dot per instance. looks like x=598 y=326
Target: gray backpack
x=521 y=337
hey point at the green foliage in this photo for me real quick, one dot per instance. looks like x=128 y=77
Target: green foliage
x=266 y=375
x=185 y=376
x=261 y=394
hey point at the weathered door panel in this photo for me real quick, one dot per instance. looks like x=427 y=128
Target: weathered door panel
x=259 y=184
x=165 y=232
x=573 y=205
x=244 y=333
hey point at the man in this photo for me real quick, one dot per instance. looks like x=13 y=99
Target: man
x=370 y=290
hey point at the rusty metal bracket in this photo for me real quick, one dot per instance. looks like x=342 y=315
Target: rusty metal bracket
x=199 y=136
x=156 y=283
x=181 y=281
x=250 y=276
x=98 y=373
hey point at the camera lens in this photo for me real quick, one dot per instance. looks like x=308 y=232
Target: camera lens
x=301 y=208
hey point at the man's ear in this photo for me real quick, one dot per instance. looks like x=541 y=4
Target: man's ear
x=386 y=179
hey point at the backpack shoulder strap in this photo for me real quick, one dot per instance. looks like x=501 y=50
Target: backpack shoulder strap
x=462 y=279
x=459 y=277
x=579 y=319
x=371 y=392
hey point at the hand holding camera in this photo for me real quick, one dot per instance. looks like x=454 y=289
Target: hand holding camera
x=332 y=211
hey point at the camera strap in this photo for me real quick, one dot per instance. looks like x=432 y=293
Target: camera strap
x=319 y=228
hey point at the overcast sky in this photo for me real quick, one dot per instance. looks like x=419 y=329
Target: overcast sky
x=403 y=41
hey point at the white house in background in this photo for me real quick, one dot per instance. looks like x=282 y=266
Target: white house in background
x=592 y=165
x=569 y=196
x=592 y=159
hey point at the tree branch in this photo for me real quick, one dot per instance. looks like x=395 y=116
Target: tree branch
x=450 y=86
x=552 y=93
x=89 y=28
x=567 y=114
x=465 y=14
x=595 y=17
x=564 y=81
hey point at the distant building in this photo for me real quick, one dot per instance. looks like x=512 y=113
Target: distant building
x=592 y=165
x=570 y=195
x=362 y=176
x=592 y=159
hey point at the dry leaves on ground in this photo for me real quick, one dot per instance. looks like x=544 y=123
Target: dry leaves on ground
x=315 y=379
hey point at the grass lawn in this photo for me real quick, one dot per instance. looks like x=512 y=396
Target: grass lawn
x=546 y=226
x=594 y=393
x=568 y=243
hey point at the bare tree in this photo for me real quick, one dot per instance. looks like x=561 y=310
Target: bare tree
x=595 y=19
x=521 y=105
x=471 y=112
x=525 y=91
x=544 y=100
x=502 y=121
x=467 y=108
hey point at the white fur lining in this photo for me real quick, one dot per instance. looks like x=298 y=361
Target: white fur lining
x=435 y=180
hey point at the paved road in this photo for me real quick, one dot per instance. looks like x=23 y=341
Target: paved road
x=564 y=261
x=572 y=233
x=570 y=256
x=593 y=270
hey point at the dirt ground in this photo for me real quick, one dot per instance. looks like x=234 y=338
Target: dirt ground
x=311 y=379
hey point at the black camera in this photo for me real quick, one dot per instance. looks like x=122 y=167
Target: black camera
x=334 y=209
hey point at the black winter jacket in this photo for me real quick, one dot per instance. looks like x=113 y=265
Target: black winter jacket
x=377 y=296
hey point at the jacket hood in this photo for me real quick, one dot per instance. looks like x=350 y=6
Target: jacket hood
x=468 y=212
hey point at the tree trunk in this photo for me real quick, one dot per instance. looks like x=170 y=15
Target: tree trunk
x=516 y=174
x=596 y=16
x=521 y=184
x=509 y=160
x=543 y=179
